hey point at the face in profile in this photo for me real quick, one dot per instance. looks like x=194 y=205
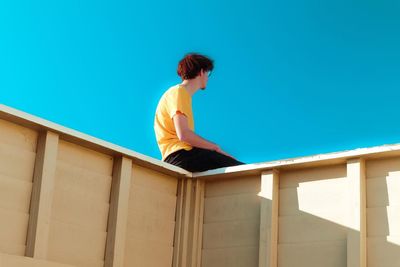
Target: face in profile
x=205 y=75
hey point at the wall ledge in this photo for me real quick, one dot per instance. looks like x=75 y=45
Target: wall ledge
x=318 y=160
x=70 y=135
x=67 y=134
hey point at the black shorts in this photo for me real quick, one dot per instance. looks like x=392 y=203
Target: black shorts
x=200 y=159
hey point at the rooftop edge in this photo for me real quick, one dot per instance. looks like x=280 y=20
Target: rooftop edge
x=33 y=122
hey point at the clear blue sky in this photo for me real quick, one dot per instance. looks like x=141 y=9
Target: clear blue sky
x=291 y=78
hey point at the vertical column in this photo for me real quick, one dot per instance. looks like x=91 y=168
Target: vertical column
x=189 y=223
x=42 y=195
x=185 y=198
x=200 y=218
x=268 y=253
x=179 y=220
x=196 y=223
x=357 y=236
x=118 y=214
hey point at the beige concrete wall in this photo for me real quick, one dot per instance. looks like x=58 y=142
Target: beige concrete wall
x=231 y=222
x=333 y=215
x=79 y=213
x=70 y=201
x=313 y=213
x=151 y=219
x=7 y=260
x=17 y=160
x=383 y=212
x=56 y=199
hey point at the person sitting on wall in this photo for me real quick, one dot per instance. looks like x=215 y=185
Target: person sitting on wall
x=174 y=125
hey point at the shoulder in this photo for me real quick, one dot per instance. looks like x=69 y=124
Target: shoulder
x=176 y=91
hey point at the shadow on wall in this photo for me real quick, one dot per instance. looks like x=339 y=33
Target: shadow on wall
x=314 y=214
x=383 y=212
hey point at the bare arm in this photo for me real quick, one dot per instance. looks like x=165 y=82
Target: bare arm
x=188 y=136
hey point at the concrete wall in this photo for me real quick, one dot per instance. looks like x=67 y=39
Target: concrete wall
x=338 y=215
x=66 y=203
x=231 y=222
x=383 y=212
x=17 y=160
x=67 y=199
x=151 y=219
x=313 y=213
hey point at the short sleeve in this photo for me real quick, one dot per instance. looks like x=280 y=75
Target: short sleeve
x=179 y=101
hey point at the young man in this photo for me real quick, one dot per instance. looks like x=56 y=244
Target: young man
x=174 y=125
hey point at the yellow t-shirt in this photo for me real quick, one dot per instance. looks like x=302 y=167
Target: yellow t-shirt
x=175 y=99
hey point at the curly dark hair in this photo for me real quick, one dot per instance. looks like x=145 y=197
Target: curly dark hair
x=191 y=65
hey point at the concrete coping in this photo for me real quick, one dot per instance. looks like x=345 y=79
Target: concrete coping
x=70 y=135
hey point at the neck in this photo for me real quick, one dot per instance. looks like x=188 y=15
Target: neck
x=191 y=86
